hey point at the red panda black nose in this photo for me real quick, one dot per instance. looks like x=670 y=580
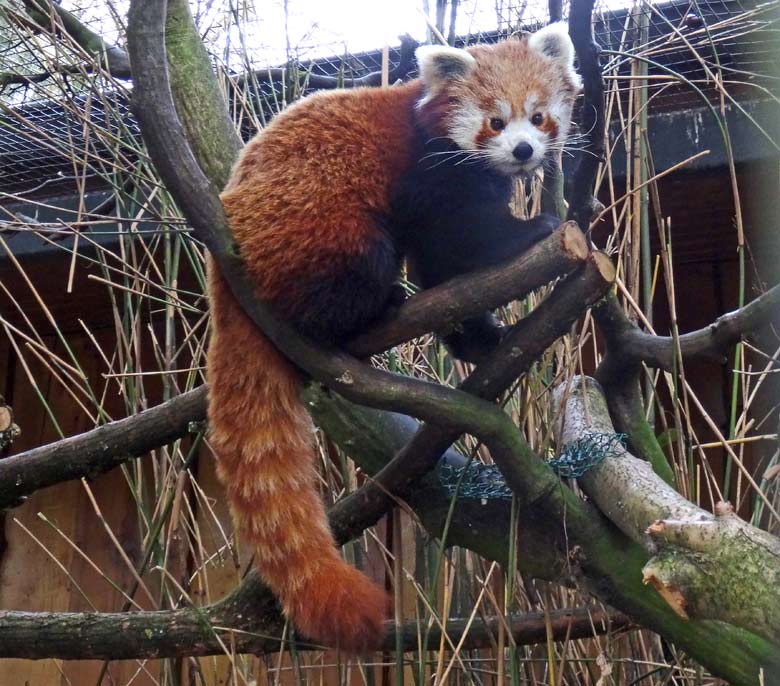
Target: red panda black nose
x=523 y=152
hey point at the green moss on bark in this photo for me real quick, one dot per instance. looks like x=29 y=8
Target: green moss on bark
x=198 y=98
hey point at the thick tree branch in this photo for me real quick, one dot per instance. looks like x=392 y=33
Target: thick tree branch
x=374 y=437
x=198 y=101
x=228 y=627
x=628 y=414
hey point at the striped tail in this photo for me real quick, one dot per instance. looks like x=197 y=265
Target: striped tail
x=264 y=442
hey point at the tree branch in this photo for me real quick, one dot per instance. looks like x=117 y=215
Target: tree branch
x=558 y=522
x=10 y=78
x=581 y=203
x=442 y=308
x=374 y=437
x=116 y=59
x=227 y=627
x=99 y=450
x=628 y=346
x=199 y=103
x=405 y=66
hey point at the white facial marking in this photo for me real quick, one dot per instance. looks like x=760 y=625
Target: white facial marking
x=504 y=109
x=465 y=126
x=559 y=111
x=530 y=104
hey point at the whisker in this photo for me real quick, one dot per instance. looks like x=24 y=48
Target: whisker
x=471 y=159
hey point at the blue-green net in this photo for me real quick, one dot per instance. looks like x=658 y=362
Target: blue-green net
x=577 y=457
x=484 y=482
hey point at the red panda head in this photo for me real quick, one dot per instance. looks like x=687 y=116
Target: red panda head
x=509 y=103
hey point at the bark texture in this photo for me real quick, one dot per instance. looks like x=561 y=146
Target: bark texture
x=706 y=566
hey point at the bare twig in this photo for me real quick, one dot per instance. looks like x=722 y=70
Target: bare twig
x=116 y=59
x=628 y=345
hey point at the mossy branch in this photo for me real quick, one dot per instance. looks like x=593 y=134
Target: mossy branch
x=199 y=102
x=227 y=628
x=705 y=566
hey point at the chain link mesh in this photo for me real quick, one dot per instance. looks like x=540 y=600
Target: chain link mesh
x=42 y=118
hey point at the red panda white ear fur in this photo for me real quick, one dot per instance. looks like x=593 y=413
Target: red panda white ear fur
x=553 y=41
x=441 y=64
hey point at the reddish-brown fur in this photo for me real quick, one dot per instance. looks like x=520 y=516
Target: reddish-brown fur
x=305 y=193
x=305 y=197
x=511 y=74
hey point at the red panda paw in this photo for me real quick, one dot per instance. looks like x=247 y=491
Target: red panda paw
x=341 y=608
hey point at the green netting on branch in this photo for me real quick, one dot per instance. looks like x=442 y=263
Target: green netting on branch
x=474 y=481
x=577 y=457
x=477 y=481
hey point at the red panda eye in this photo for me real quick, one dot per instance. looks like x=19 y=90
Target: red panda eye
x=497 y=124
x=537 y=119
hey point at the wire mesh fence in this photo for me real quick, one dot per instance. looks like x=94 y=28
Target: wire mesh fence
x=690 y=50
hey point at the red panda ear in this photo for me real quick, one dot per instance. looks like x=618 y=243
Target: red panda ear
x=441 y=64
x=553 y=42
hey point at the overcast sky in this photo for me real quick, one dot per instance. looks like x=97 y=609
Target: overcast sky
x=325 y=27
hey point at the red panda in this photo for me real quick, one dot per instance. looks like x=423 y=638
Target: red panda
x=323 y=205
